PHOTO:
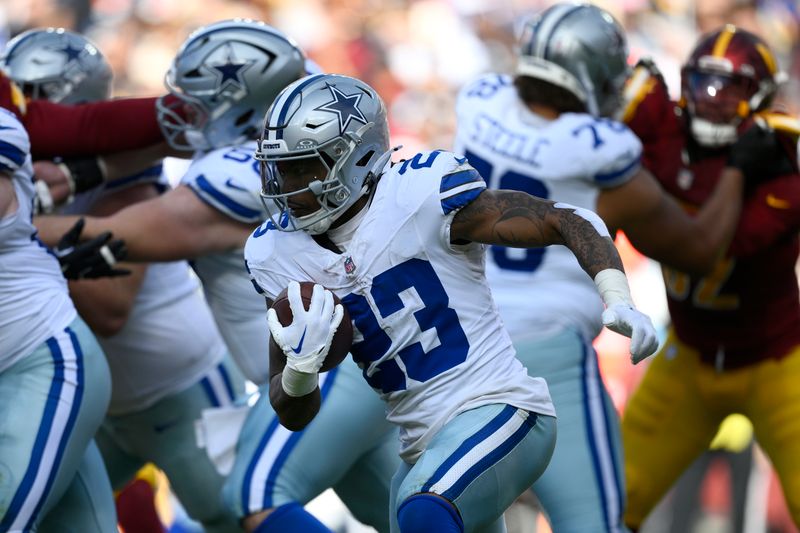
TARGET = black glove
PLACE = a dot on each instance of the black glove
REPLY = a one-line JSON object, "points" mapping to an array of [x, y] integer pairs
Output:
{"points": [[94, 258], [759, 155]]}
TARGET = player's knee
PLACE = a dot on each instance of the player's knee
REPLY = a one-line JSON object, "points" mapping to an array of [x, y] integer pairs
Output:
{"points": [[426, 513]]}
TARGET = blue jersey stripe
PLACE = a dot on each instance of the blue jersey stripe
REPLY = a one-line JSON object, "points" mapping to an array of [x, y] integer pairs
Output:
{"points": [[490, 459], [457, 201], [598, 471], [251, 467], [12, 152], [606, 178], [280, 460], [209, 390], [466, 446], [230, 204], [451, 181], [73, 416], [226, 379], [42, 434]]}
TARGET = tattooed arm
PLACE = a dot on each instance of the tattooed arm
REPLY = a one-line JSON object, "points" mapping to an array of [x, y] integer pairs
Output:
{"points": [[517, 219], [512, 218]]}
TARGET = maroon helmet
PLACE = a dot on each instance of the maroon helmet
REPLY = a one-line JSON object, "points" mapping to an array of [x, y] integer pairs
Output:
{"points": [[730, 75]]}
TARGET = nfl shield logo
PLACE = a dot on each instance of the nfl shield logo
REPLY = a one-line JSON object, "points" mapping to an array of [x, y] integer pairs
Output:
{"points": [[349, 266]]}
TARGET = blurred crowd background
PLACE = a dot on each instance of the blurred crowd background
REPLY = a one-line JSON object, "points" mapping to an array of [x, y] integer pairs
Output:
{"points": [[417, 54]]}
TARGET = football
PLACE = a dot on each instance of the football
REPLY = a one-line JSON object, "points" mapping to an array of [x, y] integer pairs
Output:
{"points": [[342, 339]]}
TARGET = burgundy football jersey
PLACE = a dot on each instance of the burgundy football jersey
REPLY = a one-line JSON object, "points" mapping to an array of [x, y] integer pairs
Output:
{"points": [[748, 308]]}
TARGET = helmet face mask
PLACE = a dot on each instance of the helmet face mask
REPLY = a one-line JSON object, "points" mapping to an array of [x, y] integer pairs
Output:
{"points": [[580, 48], [57, 65], [222, 80], [324, 136], [730, 74], [295, 183]]}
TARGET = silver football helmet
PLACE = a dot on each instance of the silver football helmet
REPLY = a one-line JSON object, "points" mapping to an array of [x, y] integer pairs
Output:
{"points": [[335, 123], [57, 65], [580, 48], [222, 80]]}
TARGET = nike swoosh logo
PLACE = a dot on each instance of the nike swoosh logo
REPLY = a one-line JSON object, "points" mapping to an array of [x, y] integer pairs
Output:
{"points": [[230, 183], [777, 203], [300, 344]]}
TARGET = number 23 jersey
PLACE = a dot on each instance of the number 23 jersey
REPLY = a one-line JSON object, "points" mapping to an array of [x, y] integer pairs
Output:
{"points": [[427, 334], [541, 291]]}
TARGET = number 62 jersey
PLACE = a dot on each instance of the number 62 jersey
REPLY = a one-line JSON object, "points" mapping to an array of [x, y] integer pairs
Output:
{"points": [[427, 334]]}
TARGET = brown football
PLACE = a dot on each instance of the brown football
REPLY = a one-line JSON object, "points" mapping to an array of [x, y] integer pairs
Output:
{"points": [[342, 339]]}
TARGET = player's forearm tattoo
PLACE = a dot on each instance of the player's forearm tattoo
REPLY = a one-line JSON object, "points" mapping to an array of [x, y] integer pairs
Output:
{"points": [[593, 251]]}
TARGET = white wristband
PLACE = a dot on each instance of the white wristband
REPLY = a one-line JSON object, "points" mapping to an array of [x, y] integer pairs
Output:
{"points": [[613, 287], [297, 383]]}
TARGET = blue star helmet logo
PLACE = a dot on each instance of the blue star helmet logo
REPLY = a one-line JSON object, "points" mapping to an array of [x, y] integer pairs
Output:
{"points": [[71, 53], [345, 106], [230, 72]]}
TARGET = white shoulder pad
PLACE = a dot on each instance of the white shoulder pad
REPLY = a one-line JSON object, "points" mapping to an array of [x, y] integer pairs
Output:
{"points": [[15, 146], [228, 180], [436, 180], [605, 151]]}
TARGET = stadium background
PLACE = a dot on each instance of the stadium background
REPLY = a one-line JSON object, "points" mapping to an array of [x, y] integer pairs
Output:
{"points": [[417, 54]]}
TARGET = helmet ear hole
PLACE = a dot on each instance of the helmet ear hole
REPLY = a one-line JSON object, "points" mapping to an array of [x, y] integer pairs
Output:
{"points": [[364, 161]]}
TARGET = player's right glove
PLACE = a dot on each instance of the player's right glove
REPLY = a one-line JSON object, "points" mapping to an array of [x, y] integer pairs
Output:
{"points": [[306, 341], [758, 154], [91, 259]]}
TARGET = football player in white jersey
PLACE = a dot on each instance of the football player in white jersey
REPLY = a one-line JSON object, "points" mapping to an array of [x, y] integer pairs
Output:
{"points": [[226, 75], [403, 246], [163, 347], [544, 132], [54, 379]]}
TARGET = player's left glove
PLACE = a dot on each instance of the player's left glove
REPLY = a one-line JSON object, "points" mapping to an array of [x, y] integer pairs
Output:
{"points": [[627, 320], [91, 259]]}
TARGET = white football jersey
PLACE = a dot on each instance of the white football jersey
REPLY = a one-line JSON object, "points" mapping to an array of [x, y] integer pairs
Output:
{"points": [[228, 179], [170, 340], [426, 331], [34, 303], [542, 291]]}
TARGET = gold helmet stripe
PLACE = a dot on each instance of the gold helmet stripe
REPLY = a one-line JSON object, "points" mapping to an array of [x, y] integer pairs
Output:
{"points": [[768, 57], [724, 39]]}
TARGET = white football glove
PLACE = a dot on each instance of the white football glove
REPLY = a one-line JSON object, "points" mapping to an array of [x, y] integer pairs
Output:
{"points": [[307, 339], [628, 321]]}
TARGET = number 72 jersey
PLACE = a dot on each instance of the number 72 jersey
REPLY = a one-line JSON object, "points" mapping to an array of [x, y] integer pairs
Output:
{"points": [[570, 159], [428, 336]]}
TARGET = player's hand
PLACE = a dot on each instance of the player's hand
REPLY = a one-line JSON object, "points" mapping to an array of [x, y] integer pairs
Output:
{"points": [[54, 186], [758, 154], [91, 259], [307, 339], [628, 321]]}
